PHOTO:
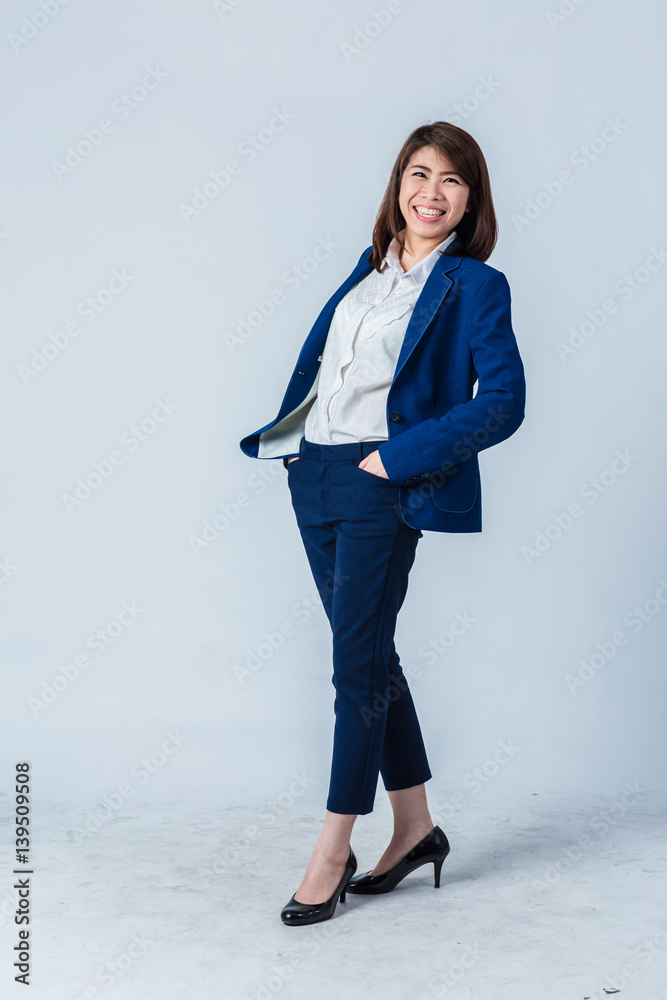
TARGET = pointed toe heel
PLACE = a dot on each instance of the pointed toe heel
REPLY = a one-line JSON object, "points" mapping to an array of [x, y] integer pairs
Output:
{"points": [[433, 848]]}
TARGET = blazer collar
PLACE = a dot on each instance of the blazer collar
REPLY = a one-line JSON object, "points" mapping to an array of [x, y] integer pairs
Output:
{"points": [[420, 271], [450, 260]]}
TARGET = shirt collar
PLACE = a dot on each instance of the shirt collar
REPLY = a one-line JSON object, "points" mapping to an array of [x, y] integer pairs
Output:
{"points": [[421, 270]]}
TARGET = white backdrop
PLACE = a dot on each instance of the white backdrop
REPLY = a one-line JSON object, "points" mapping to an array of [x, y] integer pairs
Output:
{"points": [[169, 171]]}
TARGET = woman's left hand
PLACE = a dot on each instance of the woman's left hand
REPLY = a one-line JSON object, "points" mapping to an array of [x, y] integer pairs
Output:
{"points": [[373, 463]]}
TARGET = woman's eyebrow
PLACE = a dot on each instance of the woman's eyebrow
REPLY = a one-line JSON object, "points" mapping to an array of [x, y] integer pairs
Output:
{"points": [[421, 166]]}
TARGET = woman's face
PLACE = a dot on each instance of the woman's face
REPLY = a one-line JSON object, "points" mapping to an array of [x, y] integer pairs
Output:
{"points": [[433, 197]]}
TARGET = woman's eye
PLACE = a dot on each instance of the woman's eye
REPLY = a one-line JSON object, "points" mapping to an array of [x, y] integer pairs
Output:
{"points": [[420, 173]]}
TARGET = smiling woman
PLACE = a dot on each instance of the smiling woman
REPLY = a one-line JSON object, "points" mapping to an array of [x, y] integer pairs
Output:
{"points": [[418, 181], [382, 397], [454, 170]]}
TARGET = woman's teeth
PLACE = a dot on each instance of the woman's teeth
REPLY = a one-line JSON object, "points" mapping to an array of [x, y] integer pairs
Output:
{"points": [[428, 213]]}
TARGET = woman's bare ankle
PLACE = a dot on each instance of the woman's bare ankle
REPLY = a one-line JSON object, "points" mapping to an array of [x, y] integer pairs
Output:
{"points": [[332, 852], [410, 836]]}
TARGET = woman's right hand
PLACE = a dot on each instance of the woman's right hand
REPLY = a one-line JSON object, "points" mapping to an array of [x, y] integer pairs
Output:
{"points": [[293, 459]]}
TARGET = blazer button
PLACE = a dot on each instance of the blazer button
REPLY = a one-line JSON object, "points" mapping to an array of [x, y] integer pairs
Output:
{"points": [[394, 416]]}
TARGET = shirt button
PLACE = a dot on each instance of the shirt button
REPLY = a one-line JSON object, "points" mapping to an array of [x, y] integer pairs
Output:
{"points": [[394, 416]]}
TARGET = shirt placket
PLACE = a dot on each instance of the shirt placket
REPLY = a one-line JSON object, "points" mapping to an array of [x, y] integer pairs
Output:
{"points": [[362, 322]]}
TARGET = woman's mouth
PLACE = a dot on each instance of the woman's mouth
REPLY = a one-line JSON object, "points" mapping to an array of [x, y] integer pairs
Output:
{"points": [[427, 214]]}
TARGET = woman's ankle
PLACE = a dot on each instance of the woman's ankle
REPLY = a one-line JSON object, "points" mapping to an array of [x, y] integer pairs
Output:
{"points": [[410, 835], [332, 853]]}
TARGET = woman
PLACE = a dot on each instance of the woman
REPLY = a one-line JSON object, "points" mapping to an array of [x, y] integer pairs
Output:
{"points": [[382, 398]]}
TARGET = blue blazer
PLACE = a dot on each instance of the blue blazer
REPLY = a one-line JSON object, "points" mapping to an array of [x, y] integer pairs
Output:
{"points": [[460, 332]]}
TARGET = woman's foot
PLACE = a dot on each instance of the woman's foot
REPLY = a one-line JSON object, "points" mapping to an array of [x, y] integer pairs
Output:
{"points": [[328, 860], [431, 849], [399, 846], [324, 872], [296, 914]]}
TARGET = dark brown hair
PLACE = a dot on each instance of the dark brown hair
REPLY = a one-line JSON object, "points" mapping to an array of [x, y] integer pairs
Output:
{"points": [[478, 229]]}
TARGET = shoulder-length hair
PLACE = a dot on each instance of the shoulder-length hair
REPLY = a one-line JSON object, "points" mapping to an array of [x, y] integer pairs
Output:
{"points": [[477, 231]]}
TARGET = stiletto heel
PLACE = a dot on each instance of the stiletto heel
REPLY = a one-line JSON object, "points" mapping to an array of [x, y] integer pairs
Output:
{"points": [[295, 913], [433, 848]]}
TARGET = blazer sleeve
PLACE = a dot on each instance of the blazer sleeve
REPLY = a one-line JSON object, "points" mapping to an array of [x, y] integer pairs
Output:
{"points": [[496, 411]]}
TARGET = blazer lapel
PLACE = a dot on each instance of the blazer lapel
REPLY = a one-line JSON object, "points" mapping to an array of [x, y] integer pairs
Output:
{"points": [[430, 301], [363, 268], [308, 362]]}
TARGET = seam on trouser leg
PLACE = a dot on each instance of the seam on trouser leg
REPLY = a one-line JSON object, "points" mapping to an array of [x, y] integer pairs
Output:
{"points": [[399, 730], [374, 663]]}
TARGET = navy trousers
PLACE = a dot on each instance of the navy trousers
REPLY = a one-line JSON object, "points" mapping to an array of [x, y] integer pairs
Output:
{"points": [[360, 551]]}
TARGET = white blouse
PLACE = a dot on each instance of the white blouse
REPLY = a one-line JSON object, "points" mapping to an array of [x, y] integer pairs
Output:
{"points": [[361, 351]]}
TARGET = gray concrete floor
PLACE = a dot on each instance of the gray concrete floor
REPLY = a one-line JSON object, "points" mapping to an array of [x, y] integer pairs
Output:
{"points": [[550, 898]]}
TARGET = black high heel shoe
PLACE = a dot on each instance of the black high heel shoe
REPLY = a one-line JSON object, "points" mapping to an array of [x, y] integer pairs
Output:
{"points": [[433, 848], [295, 913]]}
